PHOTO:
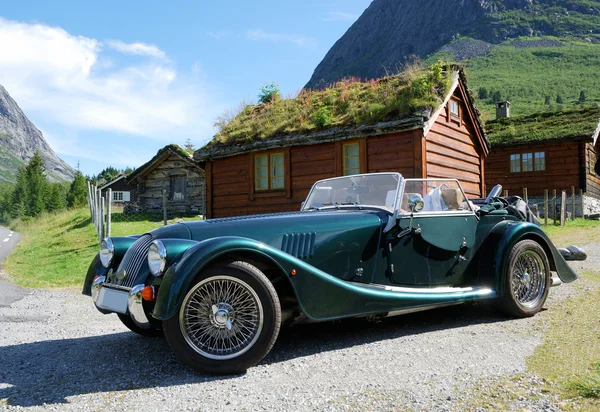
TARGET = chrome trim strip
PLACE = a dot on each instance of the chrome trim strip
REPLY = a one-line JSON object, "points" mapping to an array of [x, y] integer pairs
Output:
{"points": [[441, 289]]}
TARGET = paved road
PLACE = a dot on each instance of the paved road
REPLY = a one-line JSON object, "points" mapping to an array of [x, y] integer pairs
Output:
{"points": [[9, 293]]}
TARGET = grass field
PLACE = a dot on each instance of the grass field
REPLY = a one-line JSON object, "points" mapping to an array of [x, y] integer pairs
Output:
{"points": [[56, 249]]}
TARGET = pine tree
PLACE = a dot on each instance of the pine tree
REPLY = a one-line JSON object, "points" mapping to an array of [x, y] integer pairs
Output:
{"points": [[19, 197], [547, 100], [483, 93], [582, 97], [77, 195], [56, 200], [37, 186], [189, 146], [559, 99]]}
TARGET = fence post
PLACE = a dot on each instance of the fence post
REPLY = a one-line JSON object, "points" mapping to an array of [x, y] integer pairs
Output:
{"points": [[99, 214], [545, 207], [525, 198], [89, 198], [108, 211], [505, 193], [554, 209], [164, 199], [102, 209], [572, 202], [582, 205], [563, 208]]}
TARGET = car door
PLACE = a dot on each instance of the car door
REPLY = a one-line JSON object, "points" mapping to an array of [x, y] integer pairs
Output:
{"points": [[438, 249]]}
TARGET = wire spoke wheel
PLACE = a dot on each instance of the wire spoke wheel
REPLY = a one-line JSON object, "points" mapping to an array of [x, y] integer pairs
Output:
{"points": [[529, 278], [221, 317]]}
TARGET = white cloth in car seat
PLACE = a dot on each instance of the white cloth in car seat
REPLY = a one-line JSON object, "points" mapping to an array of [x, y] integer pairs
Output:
{"points": [[434, 202]]}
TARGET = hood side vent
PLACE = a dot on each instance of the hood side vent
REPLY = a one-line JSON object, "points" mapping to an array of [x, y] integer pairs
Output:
{"points": [[300, 245]]}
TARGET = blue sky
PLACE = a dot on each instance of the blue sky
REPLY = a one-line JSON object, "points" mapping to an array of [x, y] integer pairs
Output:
{"points": [[110, 83]]}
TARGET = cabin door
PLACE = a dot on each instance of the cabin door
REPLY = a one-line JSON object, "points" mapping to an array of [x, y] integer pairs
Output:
{"points": [[435, 253]]}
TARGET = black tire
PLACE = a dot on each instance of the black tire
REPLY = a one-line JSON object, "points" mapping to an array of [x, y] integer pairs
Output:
{"points": [[527, 280], [132, 326], [248, 298]]}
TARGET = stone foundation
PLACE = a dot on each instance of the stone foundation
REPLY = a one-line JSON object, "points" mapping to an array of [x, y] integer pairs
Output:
{"points": [[591, 205]]}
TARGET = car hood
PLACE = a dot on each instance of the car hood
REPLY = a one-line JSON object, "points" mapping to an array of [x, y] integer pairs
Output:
{"points": [[271, 229]]}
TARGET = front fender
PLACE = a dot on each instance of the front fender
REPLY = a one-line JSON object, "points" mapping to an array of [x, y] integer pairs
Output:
{"points": [[180, 275], [95, 269], [500, 241]]}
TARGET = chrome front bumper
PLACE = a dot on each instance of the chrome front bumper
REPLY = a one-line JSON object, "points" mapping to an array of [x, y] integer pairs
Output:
{"points": [[127, 301]]}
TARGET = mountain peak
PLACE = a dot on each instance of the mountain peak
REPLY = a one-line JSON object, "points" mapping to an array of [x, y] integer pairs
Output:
{"points": [[391, 32], [20, 139]]}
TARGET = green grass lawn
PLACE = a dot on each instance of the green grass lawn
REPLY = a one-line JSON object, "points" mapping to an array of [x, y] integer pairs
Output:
{"points": [[56, 249]]}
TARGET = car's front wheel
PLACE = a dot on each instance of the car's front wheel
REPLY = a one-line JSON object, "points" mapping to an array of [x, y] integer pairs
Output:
{"points": [[527, 279], [228, 321]]}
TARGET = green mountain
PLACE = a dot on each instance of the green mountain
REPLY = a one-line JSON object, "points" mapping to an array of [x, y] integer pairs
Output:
{"points": [[539, 54]]}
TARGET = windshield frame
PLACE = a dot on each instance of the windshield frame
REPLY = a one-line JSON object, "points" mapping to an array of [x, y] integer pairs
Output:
{"points": [[399, 189]]}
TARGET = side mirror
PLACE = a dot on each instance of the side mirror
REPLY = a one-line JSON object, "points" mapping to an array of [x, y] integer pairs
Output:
{"points": [[415, 204]]}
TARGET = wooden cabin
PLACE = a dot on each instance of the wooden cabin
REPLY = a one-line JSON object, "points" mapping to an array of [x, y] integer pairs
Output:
{"points": [[275, 173], [174, 171], [554, 151], [122, 192]]}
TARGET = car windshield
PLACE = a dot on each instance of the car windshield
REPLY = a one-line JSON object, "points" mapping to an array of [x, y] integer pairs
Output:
{"points": [[438, 195], [373, 190]]}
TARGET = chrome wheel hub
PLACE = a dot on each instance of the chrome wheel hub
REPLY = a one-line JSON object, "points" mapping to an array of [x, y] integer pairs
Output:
{"points": [[529, 278], [221, 317]]}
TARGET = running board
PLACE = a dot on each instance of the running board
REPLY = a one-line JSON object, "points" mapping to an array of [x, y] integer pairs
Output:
{"points": [[437, 290]]}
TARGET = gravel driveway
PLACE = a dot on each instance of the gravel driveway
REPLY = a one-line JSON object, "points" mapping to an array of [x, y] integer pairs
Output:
{"points": [[58, 352]]}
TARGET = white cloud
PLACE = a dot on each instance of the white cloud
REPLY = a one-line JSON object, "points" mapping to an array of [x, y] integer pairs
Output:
{"points": [[340, 16], [139, 49], [67, 82], [260, 34], [219, 34]]}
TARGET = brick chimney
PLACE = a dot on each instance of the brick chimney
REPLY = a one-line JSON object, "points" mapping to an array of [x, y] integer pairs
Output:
{"points": [[502, 110]]}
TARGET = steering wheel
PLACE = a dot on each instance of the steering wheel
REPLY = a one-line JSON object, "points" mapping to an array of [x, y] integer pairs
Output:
{"points": [[496, 190]]}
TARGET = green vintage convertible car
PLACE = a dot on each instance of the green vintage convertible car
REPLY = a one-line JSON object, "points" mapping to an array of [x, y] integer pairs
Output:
{"points": [[371, 245]]}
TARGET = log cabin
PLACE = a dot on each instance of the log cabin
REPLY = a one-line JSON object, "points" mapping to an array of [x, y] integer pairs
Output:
{"points": [[252, 167], [174, 171], [557, 150]]}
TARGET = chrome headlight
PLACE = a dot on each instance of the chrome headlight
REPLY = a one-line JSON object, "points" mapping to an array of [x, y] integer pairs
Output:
{"points": [[157, 258], [107, 251]]}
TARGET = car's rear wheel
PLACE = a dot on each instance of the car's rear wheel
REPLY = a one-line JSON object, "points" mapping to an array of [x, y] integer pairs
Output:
{"points": [[132, 326], [527, 280], [228, 321]]}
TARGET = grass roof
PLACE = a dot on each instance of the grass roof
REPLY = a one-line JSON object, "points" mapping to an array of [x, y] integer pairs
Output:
{"points": [[347, 103], [540, 127], [171, 148]]}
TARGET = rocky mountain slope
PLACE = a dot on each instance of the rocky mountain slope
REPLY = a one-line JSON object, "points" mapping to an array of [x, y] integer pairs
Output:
{"points": [[20, 139], [391, 32]]}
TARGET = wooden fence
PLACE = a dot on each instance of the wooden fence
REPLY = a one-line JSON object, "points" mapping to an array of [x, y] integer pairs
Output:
{"points": [[553, 201]]}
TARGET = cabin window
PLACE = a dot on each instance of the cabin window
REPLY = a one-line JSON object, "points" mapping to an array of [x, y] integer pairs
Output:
{"points": [[269, 171], [177, 188], [351, 159], [540, 161], [515, 163], [527, 162], [119, 196], [454, 109]]}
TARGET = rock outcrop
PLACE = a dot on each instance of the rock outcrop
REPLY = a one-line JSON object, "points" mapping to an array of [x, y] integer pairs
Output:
{"points": [[392, 32], [20, 139]]}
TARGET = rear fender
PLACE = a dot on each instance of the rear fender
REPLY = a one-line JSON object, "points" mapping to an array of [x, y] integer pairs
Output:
{"points": [[500, 241]]}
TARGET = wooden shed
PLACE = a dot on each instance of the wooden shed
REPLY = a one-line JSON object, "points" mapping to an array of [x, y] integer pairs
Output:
{"points": [[174, 171], [250, 170], [122, 192], [556, 150]]}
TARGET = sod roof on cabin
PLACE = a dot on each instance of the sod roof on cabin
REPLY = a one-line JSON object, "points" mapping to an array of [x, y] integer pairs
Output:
{"points": [[347, 105], [169, 149], [541, 127]]}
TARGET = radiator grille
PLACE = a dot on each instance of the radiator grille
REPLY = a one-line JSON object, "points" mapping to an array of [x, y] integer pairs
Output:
{"points": [[133, 261], [300, 245]]}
